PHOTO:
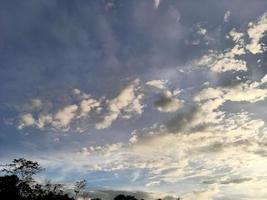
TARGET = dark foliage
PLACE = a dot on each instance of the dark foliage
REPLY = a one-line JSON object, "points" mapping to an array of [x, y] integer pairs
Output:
{"points": [[17, 183], [11, 187], [123, 197], [23, 168]]}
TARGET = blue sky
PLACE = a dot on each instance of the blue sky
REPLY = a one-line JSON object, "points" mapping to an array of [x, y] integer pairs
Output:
{"points": [[166, 97]]}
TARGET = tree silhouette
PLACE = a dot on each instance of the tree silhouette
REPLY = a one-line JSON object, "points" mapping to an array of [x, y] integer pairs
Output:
{"points": [[22, 168], [20, 185], [79, 186]]}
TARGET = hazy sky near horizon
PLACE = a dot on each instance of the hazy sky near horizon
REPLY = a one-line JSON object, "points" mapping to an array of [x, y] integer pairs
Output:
{"points": [[161, 96]]}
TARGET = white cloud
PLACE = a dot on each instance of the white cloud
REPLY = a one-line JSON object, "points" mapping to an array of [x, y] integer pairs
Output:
{"points": [[236, 36], [44, 120], [229, 59], [256, 32], [125, 105], [204, 194], [153, 183], [222, 62], [248, 91], [133, 139], [201, 30], [156, 4], [86, 105], [160, 84], [76, 91], [226, 16], [230, 142], [228, 145], [127, 100], [171, 157], [79, 94], [36, 103], [26, 120], [63, 117], [211, 99], [105, 151]]}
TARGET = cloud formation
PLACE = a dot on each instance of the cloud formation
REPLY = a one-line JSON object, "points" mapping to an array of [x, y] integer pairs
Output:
{"points": [[168, 102], [256, 32], [230, 59], [64, 116], [192, 121], [26, 120], [127, 100]]}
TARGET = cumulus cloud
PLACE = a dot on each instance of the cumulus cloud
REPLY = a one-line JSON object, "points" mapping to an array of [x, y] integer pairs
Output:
{"points": [[126, 104], [226, 60], [64, 116], [36, 103], [171, 158], [79, 94], [106, 150], [160, 84], [26, 120], [133, 139], [229, 144], [237, 37], [201, 30], [127, 100], [229, 59], [76, 91], [231, 141], [230, 134], [209, 100], [44, 120], [248, 91], [87, 105], [222, 62], [256, 32], [33, 104]]}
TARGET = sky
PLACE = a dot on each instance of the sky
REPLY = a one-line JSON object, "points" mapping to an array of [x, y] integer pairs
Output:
{"points": [[163, 97]]}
